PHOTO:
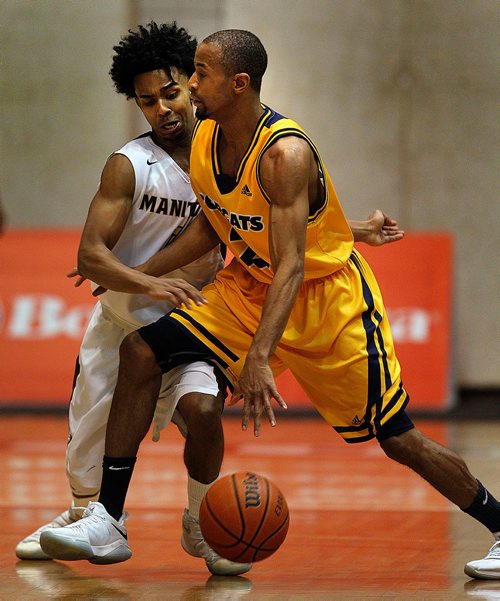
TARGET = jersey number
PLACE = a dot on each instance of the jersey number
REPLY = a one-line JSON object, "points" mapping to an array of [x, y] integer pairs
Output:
{"points": [[246, 254]]}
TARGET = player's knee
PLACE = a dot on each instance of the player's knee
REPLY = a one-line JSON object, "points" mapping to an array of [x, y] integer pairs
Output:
{"points": [[201, 412], [137, 356], [404, 448], [393, 449]]}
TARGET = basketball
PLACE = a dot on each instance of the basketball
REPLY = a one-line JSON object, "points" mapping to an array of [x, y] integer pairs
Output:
{"points": [[244, 517]]}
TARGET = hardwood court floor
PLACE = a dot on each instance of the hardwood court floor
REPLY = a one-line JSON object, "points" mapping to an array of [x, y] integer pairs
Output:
{"points": [[362, 527]]}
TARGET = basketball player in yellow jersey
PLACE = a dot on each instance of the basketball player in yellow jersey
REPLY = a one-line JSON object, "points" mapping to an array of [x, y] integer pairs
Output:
{"points": [[314, 301], [296, 295]]}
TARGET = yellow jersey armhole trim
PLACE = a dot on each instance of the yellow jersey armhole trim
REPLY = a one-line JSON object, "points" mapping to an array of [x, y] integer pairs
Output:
{"points": [[291, 131]]}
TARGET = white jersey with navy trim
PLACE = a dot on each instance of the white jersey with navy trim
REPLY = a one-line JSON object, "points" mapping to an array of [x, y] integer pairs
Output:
{"points": [[163, 206]]}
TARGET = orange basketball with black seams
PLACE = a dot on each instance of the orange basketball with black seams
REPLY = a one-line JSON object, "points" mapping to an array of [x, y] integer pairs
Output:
{"points": [[244, 517]]}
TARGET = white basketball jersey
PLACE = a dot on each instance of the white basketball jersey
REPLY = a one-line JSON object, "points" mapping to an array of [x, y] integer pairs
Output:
{"points": [[164, 205]]}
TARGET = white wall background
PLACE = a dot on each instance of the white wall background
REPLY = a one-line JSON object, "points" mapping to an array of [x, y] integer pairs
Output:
{"points": [[401, 97]]}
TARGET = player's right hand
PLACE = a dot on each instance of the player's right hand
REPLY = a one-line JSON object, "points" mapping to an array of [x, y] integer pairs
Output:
{"points": [[176, 291], [256, 386], [384, 230]]}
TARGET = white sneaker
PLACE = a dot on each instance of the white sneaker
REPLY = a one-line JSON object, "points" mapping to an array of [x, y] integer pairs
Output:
{"points": [[29, 547], [97, 537], [487, 568], [194, 544]]}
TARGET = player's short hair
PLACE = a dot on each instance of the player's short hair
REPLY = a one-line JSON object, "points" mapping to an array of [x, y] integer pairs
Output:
{"points": [[242, 52], [151, 47]]}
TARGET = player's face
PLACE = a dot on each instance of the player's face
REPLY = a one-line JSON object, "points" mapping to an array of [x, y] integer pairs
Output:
{"points": [[166, 105], [210, 86]]}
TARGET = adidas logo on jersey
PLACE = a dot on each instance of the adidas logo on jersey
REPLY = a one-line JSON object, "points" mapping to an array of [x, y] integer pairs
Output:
{"points": [[246, 191], [356, 421]]}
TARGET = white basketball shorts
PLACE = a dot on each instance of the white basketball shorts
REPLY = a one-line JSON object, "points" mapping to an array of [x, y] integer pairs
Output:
{"points": [[93, 394]]}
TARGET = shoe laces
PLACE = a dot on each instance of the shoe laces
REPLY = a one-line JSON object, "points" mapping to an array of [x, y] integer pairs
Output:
{"points": [[86, 521], [88, 517], [194, 526], [494, 552], [88, 512]]}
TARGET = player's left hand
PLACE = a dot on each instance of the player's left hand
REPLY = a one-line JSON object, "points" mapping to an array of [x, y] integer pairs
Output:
{"points": [[75, 274], [383, 229], [256, 386]]}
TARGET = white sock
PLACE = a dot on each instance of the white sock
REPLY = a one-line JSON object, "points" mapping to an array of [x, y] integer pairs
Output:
{"points": [[196, 492]]}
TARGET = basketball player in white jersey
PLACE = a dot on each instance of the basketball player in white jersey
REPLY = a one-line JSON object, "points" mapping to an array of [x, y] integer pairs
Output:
{"points": [[143, 203]]}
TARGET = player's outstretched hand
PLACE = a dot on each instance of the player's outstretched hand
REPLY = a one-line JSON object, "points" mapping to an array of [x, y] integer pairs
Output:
{"points": [[383, 229], [176, 291], [256, 387], [75, 274]]}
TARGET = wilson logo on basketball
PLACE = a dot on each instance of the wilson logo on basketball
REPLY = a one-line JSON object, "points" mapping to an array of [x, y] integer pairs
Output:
{"points": [[252, 491]]}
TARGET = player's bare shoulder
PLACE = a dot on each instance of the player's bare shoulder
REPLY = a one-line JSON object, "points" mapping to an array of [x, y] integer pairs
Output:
{"points": [[285, 166], [118, 177], [288, 150]]}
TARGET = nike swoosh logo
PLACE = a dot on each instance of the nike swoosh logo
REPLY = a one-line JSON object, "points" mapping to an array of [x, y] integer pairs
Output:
{"points": [[151, 162], [485, 498], [124, 534], [112, 467]]}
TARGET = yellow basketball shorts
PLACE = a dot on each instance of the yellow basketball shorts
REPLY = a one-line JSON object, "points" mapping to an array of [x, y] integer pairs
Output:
{"points": [[337, 342]]}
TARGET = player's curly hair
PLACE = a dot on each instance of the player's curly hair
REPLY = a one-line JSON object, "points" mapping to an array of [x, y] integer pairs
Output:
{"points": [[152, 47]]}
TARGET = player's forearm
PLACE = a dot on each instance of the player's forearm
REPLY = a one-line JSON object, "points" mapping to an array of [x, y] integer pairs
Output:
{"points": [[177, 255], [276, 310], [198, 239], [360, 229], [102, 267]]}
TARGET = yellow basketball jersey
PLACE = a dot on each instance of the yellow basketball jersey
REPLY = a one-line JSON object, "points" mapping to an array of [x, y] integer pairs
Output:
{"points": [[238, 207]]}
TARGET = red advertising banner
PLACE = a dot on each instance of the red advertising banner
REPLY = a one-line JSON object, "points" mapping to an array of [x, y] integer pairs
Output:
{"points": [[43, 317]]}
